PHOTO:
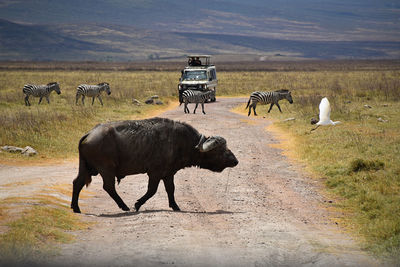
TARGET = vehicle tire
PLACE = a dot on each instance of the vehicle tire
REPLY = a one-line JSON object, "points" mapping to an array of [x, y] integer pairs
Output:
{"points": [[213, 99]]}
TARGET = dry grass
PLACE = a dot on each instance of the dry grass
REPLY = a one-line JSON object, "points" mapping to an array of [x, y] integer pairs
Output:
{"points": [[359, 159], [54, 130], [33, 234], [337, 154], [31, 226]]}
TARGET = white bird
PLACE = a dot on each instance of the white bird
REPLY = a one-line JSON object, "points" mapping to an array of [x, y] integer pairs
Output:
{"points": [[325, 114]]}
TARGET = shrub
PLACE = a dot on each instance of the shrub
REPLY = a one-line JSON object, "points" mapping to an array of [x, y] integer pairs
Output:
{"points": [[358, 165]]}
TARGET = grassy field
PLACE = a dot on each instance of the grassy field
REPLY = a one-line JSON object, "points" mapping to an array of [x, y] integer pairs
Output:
{"points": [[358, 160], [54, 130]]}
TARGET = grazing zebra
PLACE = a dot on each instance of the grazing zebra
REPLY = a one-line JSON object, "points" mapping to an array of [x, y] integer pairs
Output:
{"points": [[41, 91], [92, 91], [193, 96], [266, 98]]}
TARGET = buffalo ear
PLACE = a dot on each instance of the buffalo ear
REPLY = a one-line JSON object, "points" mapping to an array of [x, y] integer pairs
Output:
{"points": [[211, 143]]}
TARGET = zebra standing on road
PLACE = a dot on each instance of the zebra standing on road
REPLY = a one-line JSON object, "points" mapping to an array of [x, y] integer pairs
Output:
{"points": [[41, 91], [92, 91], [268, 97], [193, 96]]}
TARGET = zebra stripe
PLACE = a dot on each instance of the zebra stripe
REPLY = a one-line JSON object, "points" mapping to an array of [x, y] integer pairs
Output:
{"points": [[268, 98], [193, 96], [92, 91], [41, 91]]}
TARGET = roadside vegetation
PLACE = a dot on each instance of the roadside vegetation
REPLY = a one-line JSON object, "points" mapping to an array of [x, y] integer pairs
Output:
{"points": [[54, 130], [358, 160], [34, 228]]}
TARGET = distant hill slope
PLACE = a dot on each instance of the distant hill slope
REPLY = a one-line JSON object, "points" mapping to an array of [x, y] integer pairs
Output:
{"points": [[328, 20], [27, 42], [120, 30], [106, 42]]}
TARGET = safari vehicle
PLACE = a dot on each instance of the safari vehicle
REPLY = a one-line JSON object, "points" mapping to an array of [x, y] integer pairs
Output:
{"points": [[198, 75]]}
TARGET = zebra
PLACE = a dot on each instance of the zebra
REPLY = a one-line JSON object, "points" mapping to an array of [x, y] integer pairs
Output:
{"points": [[268, 97], [193, 96], [92, 91], [41, 91]]}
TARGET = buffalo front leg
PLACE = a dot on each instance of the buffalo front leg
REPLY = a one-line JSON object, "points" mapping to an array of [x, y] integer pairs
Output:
{"points": [[109, 187], [151, 190], [170, 188]]}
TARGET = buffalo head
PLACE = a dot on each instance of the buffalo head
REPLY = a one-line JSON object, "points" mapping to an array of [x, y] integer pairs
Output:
{"points": [[214, 155]]}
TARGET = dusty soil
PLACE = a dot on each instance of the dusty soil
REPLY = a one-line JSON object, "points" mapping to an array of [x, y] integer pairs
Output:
{"points": [[262, 212]]}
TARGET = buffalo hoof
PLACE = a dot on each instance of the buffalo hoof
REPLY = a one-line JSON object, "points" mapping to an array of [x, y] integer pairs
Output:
{"points": [[175, 207], [125, 208], [77, 210], [137, 206]]}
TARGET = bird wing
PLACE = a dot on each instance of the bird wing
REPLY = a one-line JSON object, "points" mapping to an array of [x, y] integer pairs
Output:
{"points": [[324, 110]]}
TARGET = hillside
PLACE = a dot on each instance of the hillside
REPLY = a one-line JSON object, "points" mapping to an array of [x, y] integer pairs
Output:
{"points": [[115, 30]]}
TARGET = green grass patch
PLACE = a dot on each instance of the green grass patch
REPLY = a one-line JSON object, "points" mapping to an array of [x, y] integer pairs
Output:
{"points": [[34, 231], [358, 165]]}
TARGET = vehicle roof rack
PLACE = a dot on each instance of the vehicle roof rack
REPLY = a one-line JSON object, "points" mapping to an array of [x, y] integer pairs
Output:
{"points": [[206, 57]]}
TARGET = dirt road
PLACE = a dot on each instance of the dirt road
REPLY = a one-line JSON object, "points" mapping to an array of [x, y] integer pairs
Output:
{"points": [[263, 212]]}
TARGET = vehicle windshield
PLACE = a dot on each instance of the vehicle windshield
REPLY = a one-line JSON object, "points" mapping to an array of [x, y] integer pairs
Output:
{"points": [[195, 75]]}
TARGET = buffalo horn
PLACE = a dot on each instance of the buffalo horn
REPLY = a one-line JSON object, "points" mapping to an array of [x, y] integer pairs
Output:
{"points": [[202, 139], [211, 143]]}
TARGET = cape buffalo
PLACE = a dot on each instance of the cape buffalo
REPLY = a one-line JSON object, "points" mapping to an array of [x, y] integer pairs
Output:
{"points": [[159, 147]]}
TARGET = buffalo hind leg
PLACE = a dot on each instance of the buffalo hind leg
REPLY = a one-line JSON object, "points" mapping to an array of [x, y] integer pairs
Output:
{"points": [[78, 184], [170, 188], [109, 187], [151, 190]]}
